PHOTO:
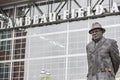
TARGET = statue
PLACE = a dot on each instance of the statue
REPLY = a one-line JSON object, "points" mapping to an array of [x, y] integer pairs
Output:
{"points": [[102, 54]]}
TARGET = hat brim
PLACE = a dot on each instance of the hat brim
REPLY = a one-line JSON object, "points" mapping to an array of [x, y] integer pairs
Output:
{"points": [[103, 30]]}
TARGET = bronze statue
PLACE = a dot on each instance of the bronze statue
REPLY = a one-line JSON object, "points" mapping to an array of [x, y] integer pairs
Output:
{"points": [[102, 54]]}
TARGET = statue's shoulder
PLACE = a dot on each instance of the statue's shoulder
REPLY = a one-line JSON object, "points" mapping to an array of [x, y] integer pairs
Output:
{"points": [[110, 40], [89, 44]]}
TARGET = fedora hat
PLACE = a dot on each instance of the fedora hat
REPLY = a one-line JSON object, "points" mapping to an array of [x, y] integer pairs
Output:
{"points": [[96, 25]]}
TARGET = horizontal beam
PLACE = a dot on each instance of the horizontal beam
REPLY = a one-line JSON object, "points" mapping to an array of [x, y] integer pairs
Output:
{"points": [[17, 2]]}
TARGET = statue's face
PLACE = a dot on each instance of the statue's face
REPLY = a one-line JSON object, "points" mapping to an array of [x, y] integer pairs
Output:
{"points": [[97, 34]]}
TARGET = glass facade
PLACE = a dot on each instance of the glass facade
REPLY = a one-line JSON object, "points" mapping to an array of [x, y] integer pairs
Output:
{"points": [[12, 48], [50, 52]]}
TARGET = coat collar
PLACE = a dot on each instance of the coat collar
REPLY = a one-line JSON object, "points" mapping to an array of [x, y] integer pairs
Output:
{"points": [[94, 47]]}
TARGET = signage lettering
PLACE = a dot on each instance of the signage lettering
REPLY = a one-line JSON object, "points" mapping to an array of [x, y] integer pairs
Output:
{"points": [[66, 14]]}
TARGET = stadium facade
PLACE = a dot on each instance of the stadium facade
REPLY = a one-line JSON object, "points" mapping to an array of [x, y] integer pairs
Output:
{"points": [[46, 39]]}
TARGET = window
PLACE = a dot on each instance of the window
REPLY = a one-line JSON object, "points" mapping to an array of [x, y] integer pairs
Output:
{"points": [[4, 71], [5, 50], [18, 71]]}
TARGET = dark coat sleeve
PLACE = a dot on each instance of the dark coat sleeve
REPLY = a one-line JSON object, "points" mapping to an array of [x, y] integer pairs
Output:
{"points": [[114, 54]]}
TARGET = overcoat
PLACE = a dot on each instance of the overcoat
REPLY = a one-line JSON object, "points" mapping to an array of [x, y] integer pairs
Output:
{"points": [[103, 59]]}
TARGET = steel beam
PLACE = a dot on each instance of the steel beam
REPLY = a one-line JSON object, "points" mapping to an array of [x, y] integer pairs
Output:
{"points": [[41, 2], [48, 8], [101, 2], [26, 12], [37, 7], [95, 4], [3, 12], [77, 3], [90, 2], [62, 7], [58, 6], [51, 7], [70, 5]]}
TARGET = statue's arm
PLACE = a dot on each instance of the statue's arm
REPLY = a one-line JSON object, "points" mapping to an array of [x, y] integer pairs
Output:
{"points": [[114, 54]]}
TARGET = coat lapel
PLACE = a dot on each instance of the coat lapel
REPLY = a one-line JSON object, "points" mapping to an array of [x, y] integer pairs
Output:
{"points": [[92, 47], [100, 43]]}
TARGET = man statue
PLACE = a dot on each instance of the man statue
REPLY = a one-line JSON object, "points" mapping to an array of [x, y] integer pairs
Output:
{"points": [[102, 54]]}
